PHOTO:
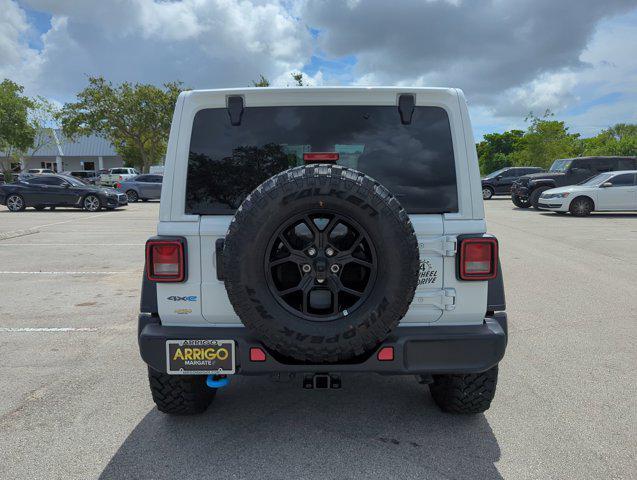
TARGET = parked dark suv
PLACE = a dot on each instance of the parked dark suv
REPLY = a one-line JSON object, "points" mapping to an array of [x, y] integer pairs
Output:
{"points": [[526, 191], [500, 181]]}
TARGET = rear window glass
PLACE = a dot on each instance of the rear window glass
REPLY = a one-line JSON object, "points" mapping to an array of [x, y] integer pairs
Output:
{"points": [[415, 162]]}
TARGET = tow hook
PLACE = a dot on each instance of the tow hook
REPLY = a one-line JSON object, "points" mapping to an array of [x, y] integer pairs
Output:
{"points": [[217, 381], [321, 381]]}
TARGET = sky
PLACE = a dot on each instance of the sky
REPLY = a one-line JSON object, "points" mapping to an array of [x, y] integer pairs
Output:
{"points": [[577, 58]]}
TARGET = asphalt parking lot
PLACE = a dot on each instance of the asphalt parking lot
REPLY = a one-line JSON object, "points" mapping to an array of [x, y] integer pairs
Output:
{"points": [[75, 401]]}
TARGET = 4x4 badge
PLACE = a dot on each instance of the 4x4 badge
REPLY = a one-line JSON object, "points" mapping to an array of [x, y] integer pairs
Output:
{"points": [[190, 298]]}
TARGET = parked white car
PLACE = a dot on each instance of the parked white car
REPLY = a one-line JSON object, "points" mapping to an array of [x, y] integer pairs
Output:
{"points": [[606, 192], [115, 175]]}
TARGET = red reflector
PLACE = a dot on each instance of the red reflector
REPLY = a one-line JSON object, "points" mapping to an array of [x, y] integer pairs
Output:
{"points": [[257, 355], [386, 354], [479, 258], [320, 157], [165, 261]]}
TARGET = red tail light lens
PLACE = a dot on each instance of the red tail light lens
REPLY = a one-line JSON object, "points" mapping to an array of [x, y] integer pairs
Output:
{"points": [[319, 157], [165, 261], [478, 258], [118, 185]]}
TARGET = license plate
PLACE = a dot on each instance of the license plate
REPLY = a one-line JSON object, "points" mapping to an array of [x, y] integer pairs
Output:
{"points": [[200, 357]]}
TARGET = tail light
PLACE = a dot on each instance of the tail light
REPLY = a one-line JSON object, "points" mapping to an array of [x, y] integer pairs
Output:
{"points": [[121, 178], [478, 259], [118, 185], [165, 260]]}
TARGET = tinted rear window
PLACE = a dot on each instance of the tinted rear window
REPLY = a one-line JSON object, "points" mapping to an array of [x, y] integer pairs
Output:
{"points": [[415, 162]]}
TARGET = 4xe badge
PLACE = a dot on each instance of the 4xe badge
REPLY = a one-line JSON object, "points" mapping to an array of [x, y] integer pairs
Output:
{"points": [[190, 298]]}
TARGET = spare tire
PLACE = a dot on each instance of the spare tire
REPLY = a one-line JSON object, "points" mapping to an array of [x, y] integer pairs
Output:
{"points": [[321, 263]]}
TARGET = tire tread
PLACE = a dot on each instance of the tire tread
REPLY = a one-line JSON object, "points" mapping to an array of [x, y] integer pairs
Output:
{"points": [[179, 395], [465, 393]]}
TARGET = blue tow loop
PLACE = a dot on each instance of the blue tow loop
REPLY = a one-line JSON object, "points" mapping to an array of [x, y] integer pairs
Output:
{"points": [[217, 381]]}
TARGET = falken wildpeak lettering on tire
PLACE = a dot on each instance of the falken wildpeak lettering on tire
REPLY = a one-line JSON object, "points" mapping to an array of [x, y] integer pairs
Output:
{"points": [[334, 197]]}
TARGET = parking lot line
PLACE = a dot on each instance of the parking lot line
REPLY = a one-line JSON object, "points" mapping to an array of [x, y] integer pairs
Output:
{"points": [[47, 329], [72, 244], [68, 273]]}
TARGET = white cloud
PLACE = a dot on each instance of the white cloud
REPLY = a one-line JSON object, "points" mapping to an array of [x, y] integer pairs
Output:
{"points": [[509, 56], [205, 43], [15, 53]]}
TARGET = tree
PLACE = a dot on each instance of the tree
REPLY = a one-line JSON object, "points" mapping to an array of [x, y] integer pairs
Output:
{"points": [[262, 82], [494, 150], [620, 139], [298, 78], [134, 117], [17, 134], [545, 141]]}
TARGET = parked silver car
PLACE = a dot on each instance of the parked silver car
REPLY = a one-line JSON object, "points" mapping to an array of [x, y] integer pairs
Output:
{"points": [[142, 187]]}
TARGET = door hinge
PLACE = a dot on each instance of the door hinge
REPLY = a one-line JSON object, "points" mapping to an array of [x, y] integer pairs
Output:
{"points": [[443, 246], [444, 299]]}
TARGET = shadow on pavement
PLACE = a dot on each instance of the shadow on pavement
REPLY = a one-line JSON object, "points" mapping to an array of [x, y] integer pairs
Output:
{"points": [[374, 427]]}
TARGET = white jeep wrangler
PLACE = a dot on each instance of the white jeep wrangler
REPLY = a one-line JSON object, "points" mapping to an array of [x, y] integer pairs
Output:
{"points": [[311, 232]]}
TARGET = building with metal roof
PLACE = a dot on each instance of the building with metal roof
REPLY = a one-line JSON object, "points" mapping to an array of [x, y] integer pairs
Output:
{"points": [[59, 153]]}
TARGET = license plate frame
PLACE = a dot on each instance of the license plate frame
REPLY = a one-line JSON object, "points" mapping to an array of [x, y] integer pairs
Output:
{"points": [[201, 359]]}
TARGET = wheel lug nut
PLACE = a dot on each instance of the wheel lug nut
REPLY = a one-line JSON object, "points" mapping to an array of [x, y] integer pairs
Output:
{"points": [[329, 251], [306, 268], [335, 268], [311, 252]]}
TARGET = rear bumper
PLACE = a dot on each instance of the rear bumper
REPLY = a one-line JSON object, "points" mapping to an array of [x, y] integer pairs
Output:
{"points": [[417, 350]]}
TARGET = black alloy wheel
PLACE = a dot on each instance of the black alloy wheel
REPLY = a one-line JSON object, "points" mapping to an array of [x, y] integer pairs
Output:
{"points": [[321, 265]]}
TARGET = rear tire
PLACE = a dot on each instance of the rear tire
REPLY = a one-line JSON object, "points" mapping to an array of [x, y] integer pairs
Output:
{"points": [[487, 193], [535, 196], [132, 196], [468, 393], [581, 207], [180, 394], [519, 202]]}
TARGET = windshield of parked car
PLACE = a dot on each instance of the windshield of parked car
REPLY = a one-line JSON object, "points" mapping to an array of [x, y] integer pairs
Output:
{"points": [[496, 173], [76, 182], [597, 180], [415, 161], [560, 165]]}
